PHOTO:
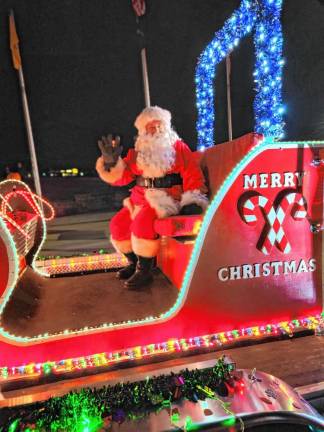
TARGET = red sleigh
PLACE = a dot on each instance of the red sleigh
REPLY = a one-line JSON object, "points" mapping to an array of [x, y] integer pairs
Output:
{"points": [[252, 266]]}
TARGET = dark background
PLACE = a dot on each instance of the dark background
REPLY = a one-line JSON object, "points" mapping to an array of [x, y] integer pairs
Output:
{"points": [[83, 73]]}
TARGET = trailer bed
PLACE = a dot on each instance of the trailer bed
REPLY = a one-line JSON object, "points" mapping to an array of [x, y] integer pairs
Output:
{"points": [[41, 305]]}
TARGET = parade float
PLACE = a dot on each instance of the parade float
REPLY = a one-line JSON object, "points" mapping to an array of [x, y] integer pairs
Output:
{"points": [[249, 268]]}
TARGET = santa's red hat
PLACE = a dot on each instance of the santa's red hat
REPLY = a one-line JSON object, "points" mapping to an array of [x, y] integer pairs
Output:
{"points": [[153, 113]]}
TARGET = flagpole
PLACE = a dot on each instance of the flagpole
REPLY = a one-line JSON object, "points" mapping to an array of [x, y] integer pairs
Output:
{"points": [[229, 102], [14, 46], [145, 78], [139, 7]]}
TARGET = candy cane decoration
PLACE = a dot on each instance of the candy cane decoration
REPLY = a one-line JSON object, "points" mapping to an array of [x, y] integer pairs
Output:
{"points": [[274, 218]]}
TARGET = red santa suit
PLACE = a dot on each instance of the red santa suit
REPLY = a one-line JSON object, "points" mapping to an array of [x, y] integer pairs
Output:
{"points": [[152, 165]]}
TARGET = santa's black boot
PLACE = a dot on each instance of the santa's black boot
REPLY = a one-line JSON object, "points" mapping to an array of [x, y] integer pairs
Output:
{"points": [[143, 274], [128, 271]]}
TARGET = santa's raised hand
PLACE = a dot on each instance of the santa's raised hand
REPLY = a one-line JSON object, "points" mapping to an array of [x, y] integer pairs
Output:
{"points": [[111, 150]]}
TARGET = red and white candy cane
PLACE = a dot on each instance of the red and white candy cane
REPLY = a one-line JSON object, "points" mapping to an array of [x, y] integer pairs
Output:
{"points": [[275, 218]]}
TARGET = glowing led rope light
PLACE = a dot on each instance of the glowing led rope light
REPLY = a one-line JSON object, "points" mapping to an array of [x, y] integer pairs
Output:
{"points": [[266, 144], [79, 264], [13, 183], [263, 18], [13, 264], [172, 345], [12, 222], [7, 204], [30, 198]]}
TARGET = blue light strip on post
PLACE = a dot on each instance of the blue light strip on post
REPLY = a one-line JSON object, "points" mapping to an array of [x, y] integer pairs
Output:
{"points": [[268, 109], [263, 17]]}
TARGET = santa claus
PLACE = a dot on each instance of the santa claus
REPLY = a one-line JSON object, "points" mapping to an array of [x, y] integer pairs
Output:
{"points": [[168, 180]]}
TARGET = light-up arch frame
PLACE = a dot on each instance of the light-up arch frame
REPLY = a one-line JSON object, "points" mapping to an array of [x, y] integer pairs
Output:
{"points": [[262, 17]]}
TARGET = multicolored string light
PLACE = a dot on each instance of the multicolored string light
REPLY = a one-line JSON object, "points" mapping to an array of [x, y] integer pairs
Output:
{"points": [[78, 264], [215, 341], [263, 18]]}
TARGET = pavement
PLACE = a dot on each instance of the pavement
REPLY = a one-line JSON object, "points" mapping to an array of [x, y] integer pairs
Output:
{"points": [[78, 234]]}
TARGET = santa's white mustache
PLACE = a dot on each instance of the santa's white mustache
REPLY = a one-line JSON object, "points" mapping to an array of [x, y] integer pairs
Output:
{"points": [[155, 153]]}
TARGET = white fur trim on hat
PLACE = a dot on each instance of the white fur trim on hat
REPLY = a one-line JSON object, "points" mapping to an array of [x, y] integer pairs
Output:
{"points": [[194, 197], [114, 174], [153, 113], [163, 204]]}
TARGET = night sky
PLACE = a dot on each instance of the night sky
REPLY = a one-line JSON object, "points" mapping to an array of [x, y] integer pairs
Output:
{"points": [[83, 74]]}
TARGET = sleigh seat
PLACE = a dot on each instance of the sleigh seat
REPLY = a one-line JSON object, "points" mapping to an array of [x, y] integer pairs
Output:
{"points": [[178, 233]]}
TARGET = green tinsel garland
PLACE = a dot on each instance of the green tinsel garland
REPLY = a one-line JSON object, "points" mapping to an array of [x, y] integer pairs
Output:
{"points": [[90, 409]]}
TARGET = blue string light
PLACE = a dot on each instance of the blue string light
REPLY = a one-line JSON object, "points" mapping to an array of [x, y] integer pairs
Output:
{"points": [[263, 18], [268, 108]]}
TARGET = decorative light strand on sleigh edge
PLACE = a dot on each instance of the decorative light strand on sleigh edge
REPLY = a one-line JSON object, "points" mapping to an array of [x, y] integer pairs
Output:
{"points": [[12, 255], [105, 359]]}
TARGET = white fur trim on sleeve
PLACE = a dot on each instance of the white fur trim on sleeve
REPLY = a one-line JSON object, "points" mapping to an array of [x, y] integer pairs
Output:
{"points": [[114, 174], [163, 203], [194, 197]]}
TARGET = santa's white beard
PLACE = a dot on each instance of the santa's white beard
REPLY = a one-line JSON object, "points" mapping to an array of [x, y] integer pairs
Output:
{"points": [[155, 153]]}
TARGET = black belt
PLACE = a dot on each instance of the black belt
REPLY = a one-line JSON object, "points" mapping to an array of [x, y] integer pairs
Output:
{"points": [[167, 181]]}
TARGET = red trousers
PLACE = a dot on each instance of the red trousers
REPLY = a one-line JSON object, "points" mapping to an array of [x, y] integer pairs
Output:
{"points": [[142, 226]]}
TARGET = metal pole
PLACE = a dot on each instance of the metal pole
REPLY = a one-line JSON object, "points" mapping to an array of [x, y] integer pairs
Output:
{"points": [[229, 103], [29, 130], [17, 64], [145, 78]]}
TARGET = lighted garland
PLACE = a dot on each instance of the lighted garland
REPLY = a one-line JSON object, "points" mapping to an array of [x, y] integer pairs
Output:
{"points": [[214, 341], [262, 17], [83, 263], [91, 409], [268, 108]]}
